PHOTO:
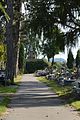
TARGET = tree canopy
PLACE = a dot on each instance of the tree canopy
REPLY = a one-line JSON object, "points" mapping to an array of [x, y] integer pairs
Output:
{"points": [[42, 17], [3, 10], [44, 14], [53, 45]]}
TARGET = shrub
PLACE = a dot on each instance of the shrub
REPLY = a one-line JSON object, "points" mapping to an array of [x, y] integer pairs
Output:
{"points": [[33, 65]]}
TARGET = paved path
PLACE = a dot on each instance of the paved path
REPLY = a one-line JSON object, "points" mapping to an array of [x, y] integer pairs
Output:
{"points": [[34, 101]]}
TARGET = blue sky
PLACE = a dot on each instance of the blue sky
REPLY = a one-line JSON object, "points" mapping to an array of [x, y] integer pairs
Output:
{"points": [[64, 54]]}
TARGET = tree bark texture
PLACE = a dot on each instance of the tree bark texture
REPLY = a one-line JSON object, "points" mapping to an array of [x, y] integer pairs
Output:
{"points": [[9, 40], [17, 36]]}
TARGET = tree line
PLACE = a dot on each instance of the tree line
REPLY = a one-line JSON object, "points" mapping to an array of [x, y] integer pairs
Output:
{"points": [[44, 18], [50, 17], [10, 17]]}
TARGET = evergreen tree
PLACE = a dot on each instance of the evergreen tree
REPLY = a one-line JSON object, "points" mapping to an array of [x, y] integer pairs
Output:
{"points": [[21, 57], [70, 60], [78, 59]]}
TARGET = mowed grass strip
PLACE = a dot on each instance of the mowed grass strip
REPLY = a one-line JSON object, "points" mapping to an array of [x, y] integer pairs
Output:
{"points": [[18, 79], [8, 90], [3, 105], [60, 90], [11, 89], [76, 104], [64, 92]]}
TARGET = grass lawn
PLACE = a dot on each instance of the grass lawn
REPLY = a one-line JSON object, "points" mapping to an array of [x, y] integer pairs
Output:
{"points": [[3, 105], [11, 89], [17, 79], [64, 92], [76, 104], [60, 90], [7, 90]]}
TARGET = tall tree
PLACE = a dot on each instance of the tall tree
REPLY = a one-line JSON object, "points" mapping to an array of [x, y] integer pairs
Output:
{"points": [[40, 21], [70, 60], [21, 57], [78, 59], [12, 37], [30, 38], [9, 40], [16, 33], [52, 46]]}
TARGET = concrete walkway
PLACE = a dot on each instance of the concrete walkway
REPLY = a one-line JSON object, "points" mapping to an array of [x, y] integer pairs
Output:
{"points": [[34, 101]]}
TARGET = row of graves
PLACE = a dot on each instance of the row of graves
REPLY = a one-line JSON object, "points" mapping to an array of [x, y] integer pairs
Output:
{"points": [[62, 76]]}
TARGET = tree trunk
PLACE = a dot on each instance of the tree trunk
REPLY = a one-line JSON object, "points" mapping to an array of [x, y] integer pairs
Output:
{"points": [[17, 37], [9, 40], [52, 61], [16, 50]]}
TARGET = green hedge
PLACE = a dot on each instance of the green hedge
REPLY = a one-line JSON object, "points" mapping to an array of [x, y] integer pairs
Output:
{"points": [[33, 65]]}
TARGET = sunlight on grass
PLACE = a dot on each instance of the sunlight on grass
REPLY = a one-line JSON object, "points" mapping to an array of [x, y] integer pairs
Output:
{"points": [[11, 89], [8, 89], [65, 91], [3, 105], [18, 79], [60, 90], [76, 104]]}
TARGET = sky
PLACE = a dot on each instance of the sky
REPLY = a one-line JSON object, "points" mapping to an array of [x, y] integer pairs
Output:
{"points": [[74, 49], [65, 53]]}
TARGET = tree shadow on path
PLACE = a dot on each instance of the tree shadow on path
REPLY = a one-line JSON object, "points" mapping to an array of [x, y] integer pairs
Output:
{"points": [[34, 94]]}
